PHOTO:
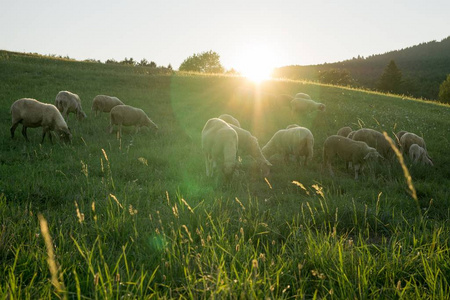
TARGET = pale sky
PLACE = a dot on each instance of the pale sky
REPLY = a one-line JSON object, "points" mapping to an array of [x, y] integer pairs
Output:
{"points": [[275, 33]]}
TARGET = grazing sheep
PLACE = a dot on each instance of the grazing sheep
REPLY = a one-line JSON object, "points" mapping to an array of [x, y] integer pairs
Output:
{"points": [[410, 138], [302, 105], [418, 154], [298, 141], [32, 113], [68, 102], [358, 153], [376, 140], [248, 144], [344, 131], [125, 115], [104, 103], [220, 146], [230, 119]]}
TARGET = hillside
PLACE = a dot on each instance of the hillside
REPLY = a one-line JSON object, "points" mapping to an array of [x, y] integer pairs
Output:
{"points": [[137, 218], [424, 68]]}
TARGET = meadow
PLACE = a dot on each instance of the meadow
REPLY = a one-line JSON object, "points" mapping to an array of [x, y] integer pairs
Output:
{"points": [[136, 217]]}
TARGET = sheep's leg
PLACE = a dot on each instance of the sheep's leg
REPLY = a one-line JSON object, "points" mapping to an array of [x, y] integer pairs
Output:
{"points": [[356, 171], [13, 128], [24, 132], [120, 130]]}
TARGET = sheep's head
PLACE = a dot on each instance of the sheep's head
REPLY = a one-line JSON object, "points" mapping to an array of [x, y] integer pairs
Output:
{"points": [[149, 123], [322, 107], [81, 115], [265, 168], [65, 136], [373, 154]]}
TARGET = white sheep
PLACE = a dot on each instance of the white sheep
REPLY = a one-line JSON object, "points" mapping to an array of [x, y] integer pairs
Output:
{"points": [[298, 141], [302, 105], [126, 115], [418, 154], [351, 151], [32, 113], [344, 131], [68, 102], [248, 145], [103, 103], [375, 139], [409, 138], [230, 119], [220, 146]]}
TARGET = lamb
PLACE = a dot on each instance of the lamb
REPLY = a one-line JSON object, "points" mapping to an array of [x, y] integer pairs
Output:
{"points": [[32, 113], [358, 153], [298, 141], [248, 144], [344, 131], [230, 119], [104, 103], [375, 140], [418, 154], [126, 115], [220, 146], [302, 105], [68, 102], [409, 138]]}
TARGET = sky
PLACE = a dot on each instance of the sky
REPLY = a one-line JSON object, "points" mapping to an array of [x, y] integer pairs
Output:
{"points": [[243, 32]]}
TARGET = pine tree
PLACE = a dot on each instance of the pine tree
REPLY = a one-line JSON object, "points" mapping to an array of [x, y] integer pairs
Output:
{"points": [[444, 90], [391, 79]]}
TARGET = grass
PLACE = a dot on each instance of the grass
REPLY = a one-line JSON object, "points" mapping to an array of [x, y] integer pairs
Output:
{"points": [[137, 217]]}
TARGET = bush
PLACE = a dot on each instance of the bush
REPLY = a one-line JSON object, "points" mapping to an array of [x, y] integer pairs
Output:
{"points": [[444, 90]]}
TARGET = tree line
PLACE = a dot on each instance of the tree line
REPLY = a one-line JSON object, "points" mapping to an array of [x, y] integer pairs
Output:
{"points": [[417, 71]]}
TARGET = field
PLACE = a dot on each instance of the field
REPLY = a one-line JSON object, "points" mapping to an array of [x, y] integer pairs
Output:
{"points": [[136, 217]]}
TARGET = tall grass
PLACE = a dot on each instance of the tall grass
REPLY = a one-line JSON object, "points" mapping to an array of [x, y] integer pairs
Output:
{"points": [[136, 217]]}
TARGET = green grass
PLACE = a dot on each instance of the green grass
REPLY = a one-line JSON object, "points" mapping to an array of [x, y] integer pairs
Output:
{"points": [[137, 217]]}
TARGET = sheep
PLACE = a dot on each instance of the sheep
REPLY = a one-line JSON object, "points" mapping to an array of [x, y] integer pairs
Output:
{"points": [[298, 141], [418, 154], [126, 115], [302, 105], [220, 146], [68, 102], [230, 119], [248, 144], [344, 131], [375, 140], [104, 103], [358, 153], [409, 138], [32, 113]]}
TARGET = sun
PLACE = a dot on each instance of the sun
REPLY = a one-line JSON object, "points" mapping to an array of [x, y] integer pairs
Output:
{"points": [[256, 63]]}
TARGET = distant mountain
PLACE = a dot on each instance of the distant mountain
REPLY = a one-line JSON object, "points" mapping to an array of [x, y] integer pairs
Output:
{"points": [[424, 67]]}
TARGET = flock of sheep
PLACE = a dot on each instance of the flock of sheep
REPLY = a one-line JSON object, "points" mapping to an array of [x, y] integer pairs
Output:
{"points": [[223, 140], [32, 113]]}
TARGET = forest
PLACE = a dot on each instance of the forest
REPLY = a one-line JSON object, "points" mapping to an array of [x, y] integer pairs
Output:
{"points": [[423, 68]]}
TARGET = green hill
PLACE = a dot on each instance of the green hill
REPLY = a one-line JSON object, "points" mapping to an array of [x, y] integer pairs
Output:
{"points": [[137, 217], [424, 67]]}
